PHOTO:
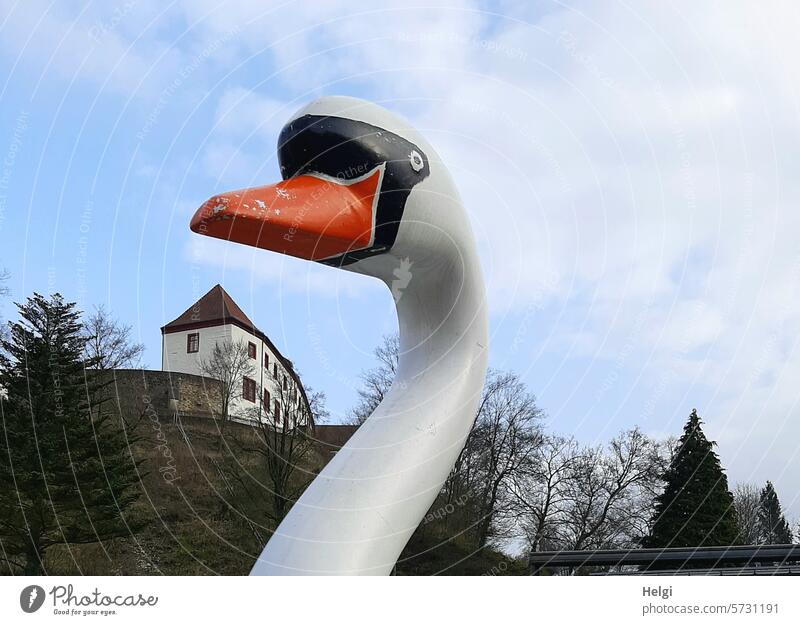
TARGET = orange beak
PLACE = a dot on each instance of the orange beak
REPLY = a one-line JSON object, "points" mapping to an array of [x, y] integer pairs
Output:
{"points": [[305, 216]]}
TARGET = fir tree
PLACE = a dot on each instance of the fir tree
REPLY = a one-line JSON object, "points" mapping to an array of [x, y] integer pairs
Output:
{"points": [[67, 475], [773, 528], [696, 507]]}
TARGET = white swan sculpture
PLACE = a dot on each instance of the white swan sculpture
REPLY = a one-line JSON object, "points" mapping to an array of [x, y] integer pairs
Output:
{"points": [[364, 192]]}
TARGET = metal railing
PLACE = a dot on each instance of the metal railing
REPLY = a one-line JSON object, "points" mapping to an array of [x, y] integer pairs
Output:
{"points": [[720, 560]]}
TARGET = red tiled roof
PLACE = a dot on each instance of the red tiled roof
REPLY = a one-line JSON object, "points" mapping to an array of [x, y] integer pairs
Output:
{"points": [[214, 306]]}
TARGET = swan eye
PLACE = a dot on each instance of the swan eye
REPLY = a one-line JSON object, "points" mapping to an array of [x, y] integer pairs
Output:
{"points": [[416, 160]]}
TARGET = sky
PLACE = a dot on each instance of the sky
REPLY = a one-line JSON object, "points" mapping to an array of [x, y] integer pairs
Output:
{"points": [[630, 171]]}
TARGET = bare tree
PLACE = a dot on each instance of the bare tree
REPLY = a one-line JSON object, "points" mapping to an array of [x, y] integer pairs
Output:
{"points": [[284, 439], [609, 494], [476, 500], [512, 478], [229, 362], [539, 489], [108, 342], [377, 381], [746, 502], [506, 432], [463, 480]]}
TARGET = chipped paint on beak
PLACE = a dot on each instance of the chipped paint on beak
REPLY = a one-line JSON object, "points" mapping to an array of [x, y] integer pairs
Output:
{"points": [[313, 217]]}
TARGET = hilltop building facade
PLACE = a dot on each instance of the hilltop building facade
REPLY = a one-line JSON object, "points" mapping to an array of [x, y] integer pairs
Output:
{"points": [[271, 390]]}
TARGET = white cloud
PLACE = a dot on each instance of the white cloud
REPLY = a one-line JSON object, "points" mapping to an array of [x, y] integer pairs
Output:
{"points": [[633, 166], [241, 112], [241, 150], [113, 45], [622, 162], [290, 275], [644, 161]]}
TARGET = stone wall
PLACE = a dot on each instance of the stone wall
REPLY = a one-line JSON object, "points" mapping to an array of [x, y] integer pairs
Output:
{"points": [[169, 394], [331, 438]]}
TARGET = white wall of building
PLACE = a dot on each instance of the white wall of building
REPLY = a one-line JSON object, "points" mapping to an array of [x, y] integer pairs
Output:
{"points": [[176, 358]]}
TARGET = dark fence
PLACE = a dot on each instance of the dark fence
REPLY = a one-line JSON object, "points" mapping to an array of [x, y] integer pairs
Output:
{"points": [[738, 560]]}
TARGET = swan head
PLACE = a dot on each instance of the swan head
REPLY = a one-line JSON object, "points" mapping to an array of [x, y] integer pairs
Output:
{"points": [[361, 190]]}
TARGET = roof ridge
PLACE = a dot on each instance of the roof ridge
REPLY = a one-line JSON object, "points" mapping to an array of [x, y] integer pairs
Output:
{"points": [[215, 305]]}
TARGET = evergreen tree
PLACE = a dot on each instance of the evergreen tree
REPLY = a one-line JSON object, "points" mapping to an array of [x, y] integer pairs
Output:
{"points": [[696, 507], [773, 528], [67, 476]]}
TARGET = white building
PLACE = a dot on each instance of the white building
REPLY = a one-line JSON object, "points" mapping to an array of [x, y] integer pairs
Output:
{"points": [[273, 389]]}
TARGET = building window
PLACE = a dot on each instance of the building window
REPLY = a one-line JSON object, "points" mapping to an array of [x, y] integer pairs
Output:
{"points": [[249, 389], [192, 342], [266, 401], [275, 370], [251, 350], [285, 384], [266, 359], [277, 412]]}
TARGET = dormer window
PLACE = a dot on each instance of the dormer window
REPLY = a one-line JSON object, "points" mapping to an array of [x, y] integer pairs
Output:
{"points": [[251, 350], [192, 343]]}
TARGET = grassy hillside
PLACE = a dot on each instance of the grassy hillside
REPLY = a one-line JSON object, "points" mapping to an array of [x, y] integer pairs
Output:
{"points": [[194, 516], [188, 517]]}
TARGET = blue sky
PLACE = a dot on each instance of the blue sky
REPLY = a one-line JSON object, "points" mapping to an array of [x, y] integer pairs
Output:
{"points": [[630, 174]]}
